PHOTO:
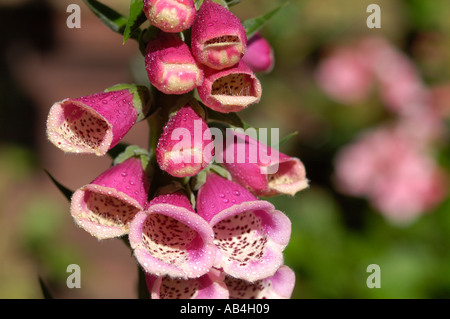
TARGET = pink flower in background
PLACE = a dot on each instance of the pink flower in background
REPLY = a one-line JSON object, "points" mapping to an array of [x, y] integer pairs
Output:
{"points": [[393, 171], [106, 206], [208, 286], [401, 87], [259, 56], [345, 75]]}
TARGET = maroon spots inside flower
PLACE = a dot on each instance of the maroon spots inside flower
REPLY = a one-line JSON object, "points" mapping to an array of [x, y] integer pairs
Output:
{"points": [[107, 210], [167, 238], [178, 288], [82, 128], [223, 40], [235, 84], [241, 289], [240, 238]]}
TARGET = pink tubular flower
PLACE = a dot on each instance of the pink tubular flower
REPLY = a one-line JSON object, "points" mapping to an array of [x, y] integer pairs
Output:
{"points": [[259, 56], [208, 286], [230, 90], [393, 171], [261, 169], [170, 66], [106, 206], [94, 124], [170, 15], [279, 286], [218, 37], [181, 149], [250, 234], [169, 238]]}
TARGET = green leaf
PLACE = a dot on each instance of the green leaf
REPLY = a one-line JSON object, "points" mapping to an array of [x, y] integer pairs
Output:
{"points": [[253, 25], [231, 3], [219, 170], [116, 150], [223, 3], [136, 18], [44, 289], [111, 18], [133, 151], [287, 138], [64, 190], [228, 118]]}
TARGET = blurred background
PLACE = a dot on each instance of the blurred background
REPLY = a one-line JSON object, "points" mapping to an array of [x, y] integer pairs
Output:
{"points": [[371, 108]]}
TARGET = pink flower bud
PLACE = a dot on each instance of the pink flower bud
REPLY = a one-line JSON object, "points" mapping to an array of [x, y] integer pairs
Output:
{"points": [[249, 234], [95, 123], [169, 238], [218, 37], [170, 15], [182, 147], [208, 286], [230, 90], [170, 66], [261, 169], [279, 286], [259, 56], [106, 206]]}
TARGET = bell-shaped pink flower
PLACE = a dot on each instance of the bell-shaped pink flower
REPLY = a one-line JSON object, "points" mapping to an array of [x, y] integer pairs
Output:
{"points": [[261, 169], [259, 56], [169, 238], [96, 123], [182, 147], [170, 15], [218, 37], [170, 66], [279, 286], [250, 234], [208, 286], [230, 90], [106, 206]]}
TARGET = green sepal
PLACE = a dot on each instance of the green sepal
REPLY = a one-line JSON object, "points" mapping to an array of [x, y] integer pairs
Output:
{"points": [[136, 18], [141, 97], [45, 291], [64, 190], [133, 151], [253, 25], [111, 18], [223, 3]]}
